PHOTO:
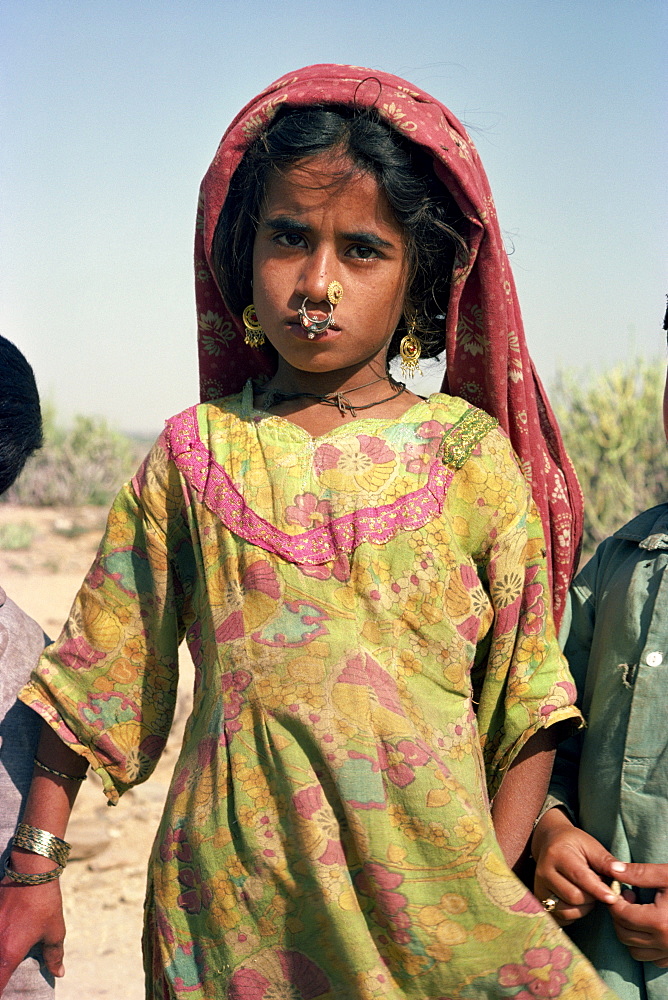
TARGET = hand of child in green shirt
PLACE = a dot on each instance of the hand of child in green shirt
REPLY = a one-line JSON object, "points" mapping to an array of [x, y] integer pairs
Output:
{"points": [[643, 927]]}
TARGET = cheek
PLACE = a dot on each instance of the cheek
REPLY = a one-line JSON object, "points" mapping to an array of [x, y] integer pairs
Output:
{"points": [[395, 297]]}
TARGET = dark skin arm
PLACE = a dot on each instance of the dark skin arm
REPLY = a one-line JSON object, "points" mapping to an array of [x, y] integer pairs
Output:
{"points": [[522, 793], [29, 914]]}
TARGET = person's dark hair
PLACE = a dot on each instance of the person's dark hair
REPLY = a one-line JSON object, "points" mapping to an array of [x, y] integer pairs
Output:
{"points": [[20, 414], [423, 207]]}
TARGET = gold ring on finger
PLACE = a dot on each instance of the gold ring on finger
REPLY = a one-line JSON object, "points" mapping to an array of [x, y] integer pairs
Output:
{"points": [[550, 903]]}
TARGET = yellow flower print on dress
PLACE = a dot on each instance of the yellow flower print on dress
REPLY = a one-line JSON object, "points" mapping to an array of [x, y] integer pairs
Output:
{"points": [[469, 829], [362, 464], [122, 671], [224, 911], [118, 523], [447, 933], [258, 490], [502, 887], [101, 627]]}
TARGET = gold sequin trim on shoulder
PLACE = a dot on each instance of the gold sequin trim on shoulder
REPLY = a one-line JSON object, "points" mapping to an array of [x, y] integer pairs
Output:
{"points": [[459, 442]]}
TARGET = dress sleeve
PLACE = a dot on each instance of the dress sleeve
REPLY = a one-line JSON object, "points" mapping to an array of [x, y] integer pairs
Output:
{"points": [[107, 686], [521, 680]]}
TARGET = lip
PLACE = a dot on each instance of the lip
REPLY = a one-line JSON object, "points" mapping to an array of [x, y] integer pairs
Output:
{"points": [[294, 327]]}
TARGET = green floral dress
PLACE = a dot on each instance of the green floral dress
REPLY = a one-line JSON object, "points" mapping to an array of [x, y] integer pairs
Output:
{"points": [[367, 615]]}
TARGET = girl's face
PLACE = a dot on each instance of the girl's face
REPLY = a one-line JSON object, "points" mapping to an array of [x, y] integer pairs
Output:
{"points": [[317, 226]]}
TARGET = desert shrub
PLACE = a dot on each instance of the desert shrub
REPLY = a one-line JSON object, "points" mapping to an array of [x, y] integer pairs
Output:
{"points": [[613, 431], [83, 464], [16, 536]]}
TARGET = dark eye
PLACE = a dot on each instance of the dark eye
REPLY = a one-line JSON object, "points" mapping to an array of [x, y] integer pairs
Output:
{"points": [[289, 239], [362, 252]]}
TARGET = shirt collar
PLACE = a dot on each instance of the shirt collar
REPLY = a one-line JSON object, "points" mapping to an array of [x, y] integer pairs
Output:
{"points": [[649, 530]]}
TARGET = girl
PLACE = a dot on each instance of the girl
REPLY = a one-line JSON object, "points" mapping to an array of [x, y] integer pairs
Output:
{"points": [[359, 573]]}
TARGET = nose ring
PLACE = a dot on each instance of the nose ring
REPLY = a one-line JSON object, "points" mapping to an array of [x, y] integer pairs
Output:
{"points": [[334, 296], [314, 325]]}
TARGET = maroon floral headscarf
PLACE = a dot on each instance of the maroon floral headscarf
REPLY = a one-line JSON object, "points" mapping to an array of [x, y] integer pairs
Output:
{"points": [[487, 358]]}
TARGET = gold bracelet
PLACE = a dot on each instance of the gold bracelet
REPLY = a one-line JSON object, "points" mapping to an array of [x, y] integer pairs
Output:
{"points": [[39, 878], [59, 774], [31, 838]]}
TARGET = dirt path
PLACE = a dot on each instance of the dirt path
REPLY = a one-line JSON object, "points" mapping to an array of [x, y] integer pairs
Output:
{"points": [[103, 886]]}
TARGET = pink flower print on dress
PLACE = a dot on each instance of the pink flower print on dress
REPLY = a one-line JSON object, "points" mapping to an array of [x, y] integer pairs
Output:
{"points": [[399, 763], [197, 896], [307, 801], [366, 672], [261, 576], [308, 511], [419, 457], [339, 569], [379, 884], [78, 654], [175, 845], [541, 973], [534, 604], [278, 974], [233, 684], [362, 464]]}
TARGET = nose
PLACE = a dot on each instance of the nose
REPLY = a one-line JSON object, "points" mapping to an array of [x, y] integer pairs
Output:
{"points": [[317, 272]]}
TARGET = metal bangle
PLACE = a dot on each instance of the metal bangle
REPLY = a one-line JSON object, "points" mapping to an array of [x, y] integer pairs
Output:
{"points": [[59, 774], [39, 878], [37, 841]]}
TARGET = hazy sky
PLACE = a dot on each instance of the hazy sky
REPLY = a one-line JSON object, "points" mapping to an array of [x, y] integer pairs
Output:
{"points": [[112, 111]]}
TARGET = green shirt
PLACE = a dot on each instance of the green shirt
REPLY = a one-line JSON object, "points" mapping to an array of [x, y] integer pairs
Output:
{"points": [[613, 776]]}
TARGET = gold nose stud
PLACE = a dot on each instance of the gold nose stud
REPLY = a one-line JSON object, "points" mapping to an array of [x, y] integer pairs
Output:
{"points": [[334, 292]]}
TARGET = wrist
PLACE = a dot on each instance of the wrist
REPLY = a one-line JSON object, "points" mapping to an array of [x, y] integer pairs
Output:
{"points": [[27, 863], [551, 821]]}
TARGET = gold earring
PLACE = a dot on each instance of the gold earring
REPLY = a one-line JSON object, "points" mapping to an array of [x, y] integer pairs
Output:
{"points": [[334, 292], [254, 335], [410, 350]]}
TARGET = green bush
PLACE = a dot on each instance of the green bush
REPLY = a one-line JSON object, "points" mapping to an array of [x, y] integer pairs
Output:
{"points": [[16, 536], [613, 431], [83, 464]]}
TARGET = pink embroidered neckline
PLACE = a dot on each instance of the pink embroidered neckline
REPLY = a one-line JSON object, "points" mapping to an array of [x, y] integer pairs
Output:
{"points": [[317, 545]]}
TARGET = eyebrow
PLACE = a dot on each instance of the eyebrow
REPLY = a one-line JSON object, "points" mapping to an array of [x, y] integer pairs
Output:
{"points": [[290, 225]]}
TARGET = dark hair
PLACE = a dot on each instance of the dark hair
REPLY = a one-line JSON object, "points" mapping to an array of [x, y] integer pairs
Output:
{"points": [[20, 415], [422, 205]]}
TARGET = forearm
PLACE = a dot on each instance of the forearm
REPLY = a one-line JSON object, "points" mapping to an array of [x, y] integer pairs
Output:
{"points": [[31, 911], [51, 797], [522, 793]]}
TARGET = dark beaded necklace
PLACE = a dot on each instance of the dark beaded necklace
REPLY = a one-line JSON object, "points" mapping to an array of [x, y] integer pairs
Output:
{"points": [[338, 399]]}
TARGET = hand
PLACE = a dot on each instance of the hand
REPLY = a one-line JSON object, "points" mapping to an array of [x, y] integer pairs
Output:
{"points": [[643, 927], [568, 865], [29, 914]]}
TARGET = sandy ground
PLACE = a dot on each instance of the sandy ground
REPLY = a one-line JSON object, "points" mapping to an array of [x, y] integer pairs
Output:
{"points": [[103, 886]]}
